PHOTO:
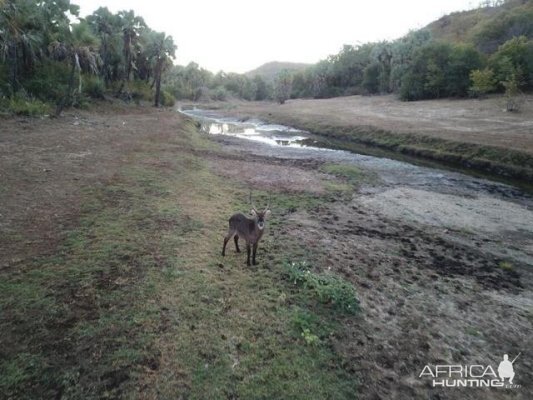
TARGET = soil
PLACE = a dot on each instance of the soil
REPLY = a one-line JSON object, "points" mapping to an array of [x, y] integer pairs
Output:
{"points": [[441, 278]]}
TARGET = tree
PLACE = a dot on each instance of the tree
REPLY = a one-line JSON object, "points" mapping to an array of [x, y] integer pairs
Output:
{"points": [[262, 91], [161, 50], [22, 35], [283, 86], [514, 58], [131, 27], [463, 59], [105, 25], [439, 69], [79, 48], [483, 82], [371, 76], [513, 98], [403, 52]]}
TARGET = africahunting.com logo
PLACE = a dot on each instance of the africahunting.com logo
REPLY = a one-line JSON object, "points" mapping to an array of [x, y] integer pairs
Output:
{"points": [[474, 375]]}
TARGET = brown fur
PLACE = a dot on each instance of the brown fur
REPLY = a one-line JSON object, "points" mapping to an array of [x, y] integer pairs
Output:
{"points": [[249, 229]]}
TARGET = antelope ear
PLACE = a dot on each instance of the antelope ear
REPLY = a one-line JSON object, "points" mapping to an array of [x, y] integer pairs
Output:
{"points": [[267, 212], [253, 212]]}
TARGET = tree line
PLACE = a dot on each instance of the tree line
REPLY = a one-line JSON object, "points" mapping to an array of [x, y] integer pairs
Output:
{"points": [[497, 57], [49, 55]]}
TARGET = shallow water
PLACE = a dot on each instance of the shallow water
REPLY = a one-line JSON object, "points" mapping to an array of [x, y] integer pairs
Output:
{"points": [[287, 142]]}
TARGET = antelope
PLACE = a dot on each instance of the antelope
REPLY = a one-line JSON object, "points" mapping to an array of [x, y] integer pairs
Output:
{"points": [[250, 229]]}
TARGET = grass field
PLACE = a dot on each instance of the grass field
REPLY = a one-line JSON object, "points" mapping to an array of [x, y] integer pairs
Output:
{"points": [[129, 296]]}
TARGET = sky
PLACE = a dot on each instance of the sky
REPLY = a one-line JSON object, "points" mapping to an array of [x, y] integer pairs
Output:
{"points": [[240, 35]]}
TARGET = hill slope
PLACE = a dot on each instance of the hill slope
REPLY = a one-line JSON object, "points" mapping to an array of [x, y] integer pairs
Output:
{"points": [[486, 27], [269, 70]]}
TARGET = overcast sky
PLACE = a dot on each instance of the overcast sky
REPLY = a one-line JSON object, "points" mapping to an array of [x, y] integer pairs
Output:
{"points": [[240, 35]]}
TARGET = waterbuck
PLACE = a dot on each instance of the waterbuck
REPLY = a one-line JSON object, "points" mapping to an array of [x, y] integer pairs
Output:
{"points": [[250, 229]]}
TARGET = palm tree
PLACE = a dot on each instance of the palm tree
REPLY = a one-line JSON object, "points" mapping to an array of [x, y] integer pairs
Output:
{"points": [[131, 27], [20, 38], [80, 49], [105, 25], [160, 50]]}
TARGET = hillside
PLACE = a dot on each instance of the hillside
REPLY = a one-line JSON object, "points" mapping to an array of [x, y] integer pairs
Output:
{"points": [[486, 27], [269, 70]]}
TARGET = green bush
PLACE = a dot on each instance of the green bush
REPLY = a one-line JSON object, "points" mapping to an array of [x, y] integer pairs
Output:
{"points": [[140, 90], [49, 81], [93, 87], [220, 93], [20, 105], [411, 87], [483, 82], [514, 58], [167, 99], [371, 77], [326, 287]]}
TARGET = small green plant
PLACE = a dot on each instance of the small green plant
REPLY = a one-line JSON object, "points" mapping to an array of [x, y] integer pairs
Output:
{"points": [[326, 287], [506, 265], [310, 339]]}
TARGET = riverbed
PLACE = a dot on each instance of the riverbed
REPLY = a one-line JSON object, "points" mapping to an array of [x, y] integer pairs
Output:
{"points": [[442, 261]]}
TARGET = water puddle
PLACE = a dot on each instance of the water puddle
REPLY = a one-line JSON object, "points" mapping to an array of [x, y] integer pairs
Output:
{"points": [[254, 130]]}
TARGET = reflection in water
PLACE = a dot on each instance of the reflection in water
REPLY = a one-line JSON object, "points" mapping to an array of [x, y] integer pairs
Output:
{"points": [[270, 134]]}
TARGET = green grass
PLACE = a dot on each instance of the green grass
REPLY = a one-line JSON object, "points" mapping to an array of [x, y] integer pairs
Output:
{"points": [[325, 287], [138, 302], [19, 105]]}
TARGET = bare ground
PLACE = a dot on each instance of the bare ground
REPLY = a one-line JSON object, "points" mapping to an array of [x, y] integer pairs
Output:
{"points": [[431, 291]]}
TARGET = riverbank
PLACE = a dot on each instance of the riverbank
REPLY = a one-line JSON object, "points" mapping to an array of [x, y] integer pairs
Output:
{"points": [[112, 283], [469, 134]]}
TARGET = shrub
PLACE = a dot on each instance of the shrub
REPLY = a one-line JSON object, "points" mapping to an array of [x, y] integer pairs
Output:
{"points": [[326, 287], [93, 87], [513, 98], [283, 86], [49, 82], [411, 87], [371, 76], [220, 94], [483, 82], [167, 99], [140, 90], [20, 105]]}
